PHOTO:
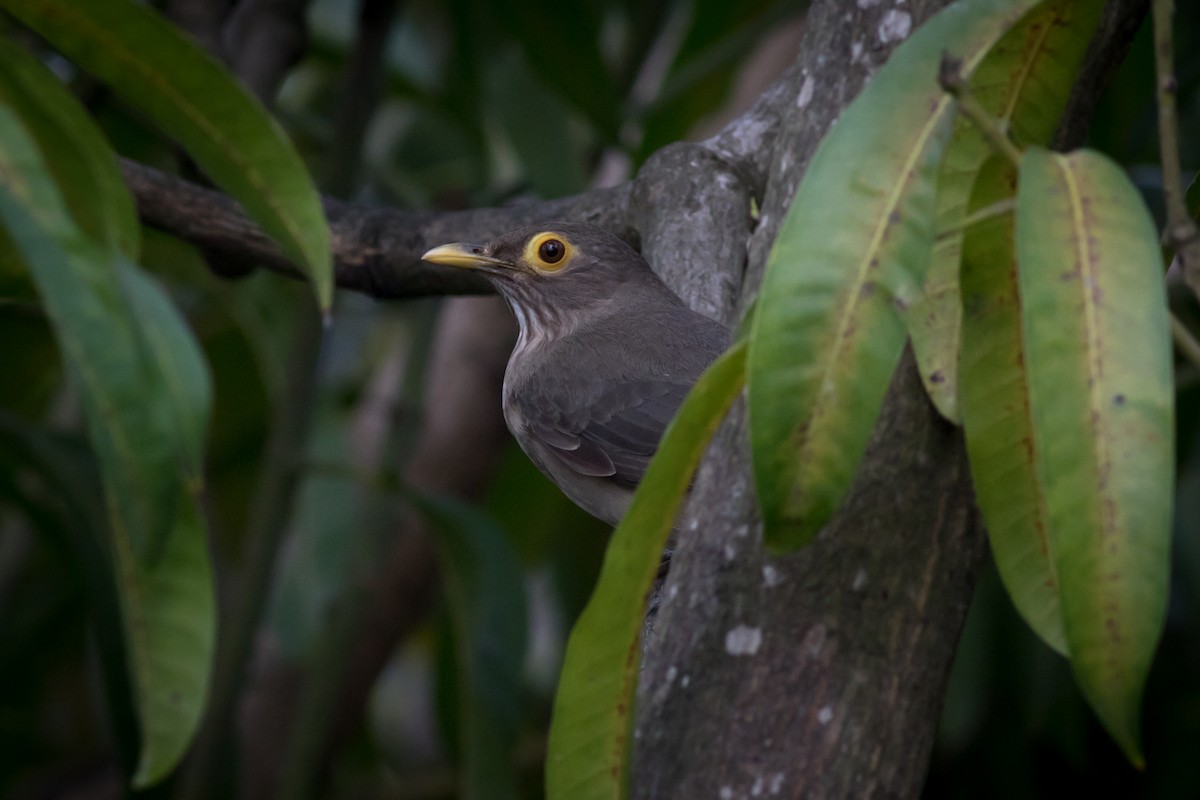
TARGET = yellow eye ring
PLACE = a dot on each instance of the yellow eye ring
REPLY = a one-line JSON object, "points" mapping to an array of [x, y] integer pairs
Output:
{"points": [[549, 252]]}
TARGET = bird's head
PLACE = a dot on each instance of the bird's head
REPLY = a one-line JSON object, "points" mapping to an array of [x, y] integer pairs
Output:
{"points": [[553, 267]]}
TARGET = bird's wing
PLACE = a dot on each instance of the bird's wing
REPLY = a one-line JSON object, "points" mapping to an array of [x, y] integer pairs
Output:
{"points": [[617, 434]]}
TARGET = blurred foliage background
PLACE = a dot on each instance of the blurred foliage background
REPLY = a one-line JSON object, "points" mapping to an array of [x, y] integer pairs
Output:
{"points": [[479, 104]]}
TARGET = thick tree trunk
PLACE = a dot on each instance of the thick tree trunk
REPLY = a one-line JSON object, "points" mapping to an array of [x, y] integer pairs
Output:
{"points": [[818, 674]]}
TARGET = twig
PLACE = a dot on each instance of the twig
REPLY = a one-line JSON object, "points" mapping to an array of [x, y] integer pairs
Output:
{"points": [[997, 209], [1181, 234], [951, 80]]}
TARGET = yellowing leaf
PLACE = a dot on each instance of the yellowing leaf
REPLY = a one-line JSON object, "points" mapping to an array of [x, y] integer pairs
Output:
{"points": [[851, 253], [996, 416], [1098, 360], [1024, 83]]}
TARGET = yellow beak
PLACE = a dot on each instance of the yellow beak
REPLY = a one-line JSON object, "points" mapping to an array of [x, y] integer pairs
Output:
{"points": [[463, 256]]}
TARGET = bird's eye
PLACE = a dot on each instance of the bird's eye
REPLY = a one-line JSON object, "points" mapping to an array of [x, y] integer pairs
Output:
{"points": [[551, 251]]}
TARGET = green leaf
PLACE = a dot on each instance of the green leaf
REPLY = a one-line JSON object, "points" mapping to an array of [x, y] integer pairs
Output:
{"points": [[850, 254], [96, 331], [144, 390], [593, 710], [183, 379], [85, 171], [483, 582], [1024, 82], [195, 101], [80, 161], [169, 611], [996, 416], [1098, 355]]}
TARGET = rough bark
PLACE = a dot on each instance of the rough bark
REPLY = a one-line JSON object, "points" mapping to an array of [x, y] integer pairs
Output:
{"points": [[818, 674]]}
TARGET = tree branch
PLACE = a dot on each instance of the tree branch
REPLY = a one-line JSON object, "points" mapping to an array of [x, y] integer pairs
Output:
{"points": [[376, 251]]}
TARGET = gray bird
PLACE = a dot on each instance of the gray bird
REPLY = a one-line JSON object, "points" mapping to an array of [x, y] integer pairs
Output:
{"points": [[605, 355]]}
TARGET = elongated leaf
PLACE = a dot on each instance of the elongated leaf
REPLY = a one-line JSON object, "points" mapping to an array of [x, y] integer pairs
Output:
{"points": [[80, 160], [1098, 354], [95, 328], [593, 710], [487, 610], [147, 408], [86, 172], [1024, 82], [166, 76], [181, 373], [169, 611], [997, 421], [853, 247]]}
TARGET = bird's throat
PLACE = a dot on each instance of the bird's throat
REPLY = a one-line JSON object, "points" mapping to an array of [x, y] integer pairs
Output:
{"points": [[538, 325]]}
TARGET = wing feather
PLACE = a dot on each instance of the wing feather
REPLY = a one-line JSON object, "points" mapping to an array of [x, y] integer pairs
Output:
{"points": [[597, 405], [618, 434]]}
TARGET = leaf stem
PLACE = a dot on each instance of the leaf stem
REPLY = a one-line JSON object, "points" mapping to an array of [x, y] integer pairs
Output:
{"points": [[1181, 234], [997, 209], [951, 79]]}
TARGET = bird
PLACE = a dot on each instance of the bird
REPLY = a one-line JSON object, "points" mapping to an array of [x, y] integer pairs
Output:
{"points": [[605, 354]]}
